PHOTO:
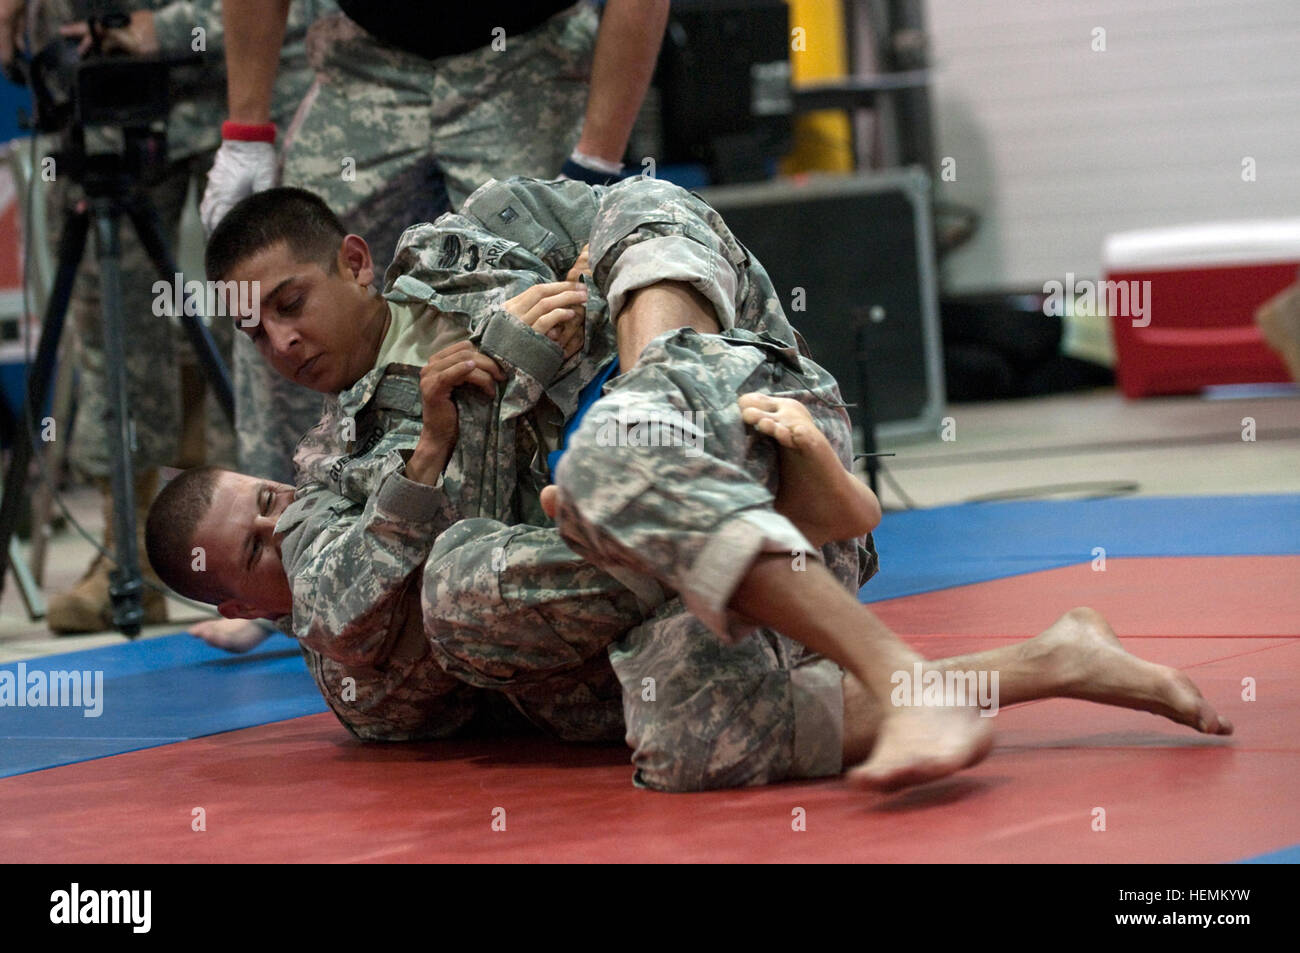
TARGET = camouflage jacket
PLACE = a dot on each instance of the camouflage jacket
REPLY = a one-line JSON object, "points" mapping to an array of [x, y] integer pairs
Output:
{"points": [[358, 532], [509, 235], [498, 467]]}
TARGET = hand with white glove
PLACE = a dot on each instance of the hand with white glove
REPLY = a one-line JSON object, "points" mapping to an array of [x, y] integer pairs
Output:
{"points": [[241, 168]]}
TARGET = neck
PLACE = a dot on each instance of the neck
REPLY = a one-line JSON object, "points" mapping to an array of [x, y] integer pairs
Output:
{"points": [[382, 318]]}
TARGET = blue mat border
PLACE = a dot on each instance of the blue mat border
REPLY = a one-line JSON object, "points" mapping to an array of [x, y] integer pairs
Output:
{"points": [[928, 550], [921, 551]]}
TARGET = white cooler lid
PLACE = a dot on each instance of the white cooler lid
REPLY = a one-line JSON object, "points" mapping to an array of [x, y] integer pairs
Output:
{"points": [[1259, 242]]}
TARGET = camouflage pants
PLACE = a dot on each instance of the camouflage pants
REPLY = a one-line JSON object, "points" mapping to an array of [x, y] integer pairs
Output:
{"points": [[687, 513], [380, 131], [512, 607], [155, 347], [663, 480]]}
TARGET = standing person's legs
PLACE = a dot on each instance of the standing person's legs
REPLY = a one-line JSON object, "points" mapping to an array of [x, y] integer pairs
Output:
{"points": [[516, 110], [214, 439], [149, 343]]}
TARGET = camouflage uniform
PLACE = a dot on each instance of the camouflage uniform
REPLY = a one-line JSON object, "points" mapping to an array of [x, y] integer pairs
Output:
{"points": [[355, 569], [378, 135], [694, 511], [508, 607], [358, 531], [153, 347]]}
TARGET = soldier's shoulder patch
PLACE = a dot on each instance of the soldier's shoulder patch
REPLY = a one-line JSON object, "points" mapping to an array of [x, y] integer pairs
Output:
{"points": [[494, 250], [450, 251]]}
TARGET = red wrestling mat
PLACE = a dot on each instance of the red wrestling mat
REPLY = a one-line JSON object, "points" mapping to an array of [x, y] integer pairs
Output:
{"points": [[1164, 596], [303, 790]]}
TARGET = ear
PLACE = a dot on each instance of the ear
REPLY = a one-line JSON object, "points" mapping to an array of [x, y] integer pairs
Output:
{"points": [[234, 609], [355, 260]]}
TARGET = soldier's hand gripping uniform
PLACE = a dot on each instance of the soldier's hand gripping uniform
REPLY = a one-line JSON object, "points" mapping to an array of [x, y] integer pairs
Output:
{"points": [[510, 605]]}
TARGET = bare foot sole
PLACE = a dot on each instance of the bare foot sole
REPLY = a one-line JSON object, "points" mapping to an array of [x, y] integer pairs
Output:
{"points": [[919, 744], [1090, 663], [817, 494]]}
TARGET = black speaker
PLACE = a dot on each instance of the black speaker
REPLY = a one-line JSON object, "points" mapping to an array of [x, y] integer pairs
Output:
{"points": [[852, 258], [721, 92]]}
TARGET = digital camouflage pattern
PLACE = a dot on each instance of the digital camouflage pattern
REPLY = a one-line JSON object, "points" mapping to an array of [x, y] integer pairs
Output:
{"points": [[506, 606], [693, 515], [350, 556], [388, 138], [746, 706]]}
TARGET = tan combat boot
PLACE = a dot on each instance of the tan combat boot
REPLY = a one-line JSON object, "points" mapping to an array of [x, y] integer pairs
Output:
{"points": [[87, 607]]}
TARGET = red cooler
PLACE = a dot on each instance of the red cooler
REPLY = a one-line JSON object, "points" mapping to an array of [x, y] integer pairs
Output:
{"points": [[1195, 325]]}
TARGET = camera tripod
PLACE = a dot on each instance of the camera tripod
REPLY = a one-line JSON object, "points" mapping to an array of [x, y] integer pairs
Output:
{"points": [[111, 192]]}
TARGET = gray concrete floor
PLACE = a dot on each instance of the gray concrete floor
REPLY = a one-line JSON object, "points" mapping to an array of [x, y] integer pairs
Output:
{"points": [[1167, 446]]}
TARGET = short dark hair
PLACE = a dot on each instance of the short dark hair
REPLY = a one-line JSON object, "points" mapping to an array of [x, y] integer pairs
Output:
{"points": [[267, 218], [169, 532]]}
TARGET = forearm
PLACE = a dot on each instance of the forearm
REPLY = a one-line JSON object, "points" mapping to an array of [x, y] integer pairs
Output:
{"points": [[254, 36], [627, 47], [657, 309], [428, 460]]}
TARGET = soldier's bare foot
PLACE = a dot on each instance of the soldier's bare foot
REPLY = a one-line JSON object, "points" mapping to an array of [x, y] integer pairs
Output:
{"points": [[922, 743], [1086, 660], [817, 494]]}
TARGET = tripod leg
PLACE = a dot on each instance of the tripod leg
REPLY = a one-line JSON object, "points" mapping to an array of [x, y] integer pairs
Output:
{"points": [[125, 583], [55, 457], [72, 245], [33, 599], [866, 409], [147, 227]]}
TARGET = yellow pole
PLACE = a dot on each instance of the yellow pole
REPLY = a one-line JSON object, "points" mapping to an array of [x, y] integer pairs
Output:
{"points": [[823, 140]]}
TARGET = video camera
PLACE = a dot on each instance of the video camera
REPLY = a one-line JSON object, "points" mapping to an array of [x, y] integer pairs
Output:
{"points": [[72, 94]]}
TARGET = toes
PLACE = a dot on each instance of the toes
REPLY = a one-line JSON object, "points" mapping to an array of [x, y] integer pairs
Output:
{"points": [[800, 436], [1214, 724], [872, 777]]}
